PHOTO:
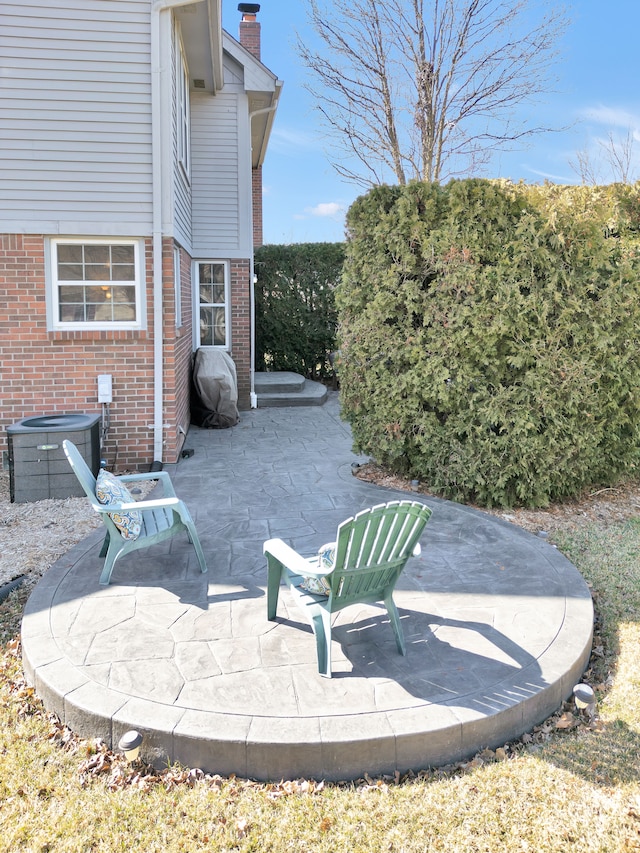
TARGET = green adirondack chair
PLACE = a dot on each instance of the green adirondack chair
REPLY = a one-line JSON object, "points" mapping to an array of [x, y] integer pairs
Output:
{"points": [[369, 554], [158, 519]]}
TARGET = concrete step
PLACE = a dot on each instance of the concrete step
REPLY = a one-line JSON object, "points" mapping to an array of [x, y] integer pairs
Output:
{"points": [[287, 389], [278, 382]]}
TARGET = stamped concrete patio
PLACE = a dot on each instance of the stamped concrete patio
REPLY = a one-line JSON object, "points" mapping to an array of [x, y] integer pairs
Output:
{"points": [[498, 624]]}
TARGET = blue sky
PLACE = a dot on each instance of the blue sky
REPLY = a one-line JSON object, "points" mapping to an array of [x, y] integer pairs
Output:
{"points": [[598, 92]]}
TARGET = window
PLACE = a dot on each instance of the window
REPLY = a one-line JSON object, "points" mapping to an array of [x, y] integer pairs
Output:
{"points": [[212, 289], [96, 284], [183, 108]]}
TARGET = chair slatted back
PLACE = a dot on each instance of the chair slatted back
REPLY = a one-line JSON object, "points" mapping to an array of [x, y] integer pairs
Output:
{"points": [[80, 469], [373, 547]]}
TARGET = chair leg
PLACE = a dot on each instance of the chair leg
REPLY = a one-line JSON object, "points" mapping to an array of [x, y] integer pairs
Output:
{"points": [[110, 559], [195, 541], [394, 618], [274, 574], [321, 624], [105, 545]]}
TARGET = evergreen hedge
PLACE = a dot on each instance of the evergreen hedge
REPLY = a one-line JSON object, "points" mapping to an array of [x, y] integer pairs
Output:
{"points": [[296, 316], [489, 337]]}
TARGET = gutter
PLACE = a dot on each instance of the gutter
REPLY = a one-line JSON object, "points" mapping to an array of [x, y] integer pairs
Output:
{"points": [[253, 397]]}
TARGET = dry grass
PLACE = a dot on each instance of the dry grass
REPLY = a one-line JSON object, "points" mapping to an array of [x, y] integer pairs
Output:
{"points": [[556, 790]]}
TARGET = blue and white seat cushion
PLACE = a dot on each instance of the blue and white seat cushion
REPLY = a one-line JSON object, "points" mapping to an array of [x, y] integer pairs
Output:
{"points": [[109, 490], [326, 560]]}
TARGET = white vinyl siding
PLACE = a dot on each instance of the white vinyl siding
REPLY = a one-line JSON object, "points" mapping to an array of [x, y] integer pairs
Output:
{"points": [[75, 117], [181, 132], [218, 186]]}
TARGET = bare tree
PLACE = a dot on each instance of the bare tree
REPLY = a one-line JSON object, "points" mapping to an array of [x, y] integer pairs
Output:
{"points": [[614, 159], [426, 89]]}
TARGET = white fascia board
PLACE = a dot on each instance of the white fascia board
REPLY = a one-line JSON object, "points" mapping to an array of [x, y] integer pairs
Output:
{"points": [[257, 77]]}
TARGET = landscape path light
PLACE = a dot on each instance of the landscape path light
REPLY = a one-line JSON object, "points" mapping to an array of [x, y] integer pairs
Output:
{"points": [[130, 744], [584, 698]]}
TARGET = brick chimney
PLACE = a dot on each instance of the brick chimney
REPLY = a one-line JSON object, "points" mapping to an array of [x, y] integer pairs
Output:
{"points": [[250, 28], [250, 40]]}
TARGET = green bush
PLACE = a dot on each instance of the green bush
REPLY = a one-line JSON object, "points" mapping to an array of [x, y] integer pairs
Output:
{"points": [[295, 306], [489, 337]]}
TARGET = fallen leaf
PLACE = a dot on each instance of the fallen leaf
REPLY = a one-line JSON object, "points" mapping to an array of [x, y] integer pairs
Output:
{"points": [[567, 721]]}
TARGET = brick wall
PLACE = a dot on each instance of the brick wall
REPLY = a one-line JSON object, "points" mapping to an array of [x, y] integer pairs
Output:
{"points": [[256, 201], [241, 328], [250, 34], [44, 372]]}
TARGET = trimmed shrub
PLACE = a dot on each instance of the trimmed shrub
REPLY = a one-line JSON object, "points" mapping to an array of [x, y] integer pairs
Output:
{"points": [[296, 316], [489, 337]]}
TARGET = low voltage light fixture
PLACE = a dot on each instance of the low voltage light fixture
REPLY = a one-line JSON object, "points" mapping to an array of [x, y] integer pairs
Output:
{"points": [[584, 698], [130, 744]]}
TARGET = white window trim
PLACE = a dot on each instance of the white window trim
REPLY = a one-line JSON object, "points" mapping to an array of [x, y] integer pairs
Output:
{"points": [[227, 304], [53, 302], [183, 108]]}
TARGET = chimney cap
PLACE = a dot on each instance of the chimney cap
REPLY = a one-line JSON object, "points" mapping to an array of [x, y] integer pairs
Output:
{"points": [[249, 8]]}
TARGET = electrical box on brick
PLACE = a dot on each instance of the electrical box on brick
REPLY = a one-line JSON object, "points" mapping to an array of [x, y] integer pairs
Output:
{"points": [[105, 391]]}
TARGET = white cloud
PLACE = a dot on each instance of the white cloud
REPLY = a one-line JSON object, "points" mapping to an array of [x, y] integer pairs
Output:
{"points": [[289, 139], [612, 117], [331, 209], [559, 179]]}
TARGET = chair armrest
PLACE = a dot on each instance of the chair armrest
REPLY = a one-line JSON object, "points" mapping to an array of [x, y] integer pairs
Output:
{"points": [[290, 559], [161, 476], [158, 503]]}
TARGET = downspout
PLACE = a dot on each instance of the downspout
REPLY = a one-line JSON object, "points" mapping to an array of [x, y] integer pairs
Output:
{"points": [[157, 163], [253, 397], [156, 232]]}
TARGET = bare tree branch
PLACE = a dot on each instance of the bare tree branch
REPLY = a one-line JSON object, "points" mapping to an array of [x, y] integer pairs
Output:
{"points": [[613, 159], [426, 88]]}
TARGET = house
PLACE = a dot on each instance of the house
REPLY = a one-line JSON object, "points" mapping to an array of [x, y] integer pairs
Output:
{"points": [[132, 136]]}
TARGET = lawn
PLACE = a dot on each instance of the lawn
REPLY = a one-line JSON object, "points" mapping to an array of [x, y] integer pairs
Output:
{"points": [[563, 786]]}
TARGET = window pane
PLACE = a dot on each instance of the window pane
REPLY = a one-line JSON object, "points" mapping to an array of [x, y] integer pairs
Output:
{"points": [[123, 312], [205, 273], [218, 294], [218, 273], [97, 272], [97, 295], [219, 339], [97, 254], [71, 294], [123, 272], [70, 313], [206, 294], [123, 255], [70, 272], [120, 295], [206, 327], [69, 253]]}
